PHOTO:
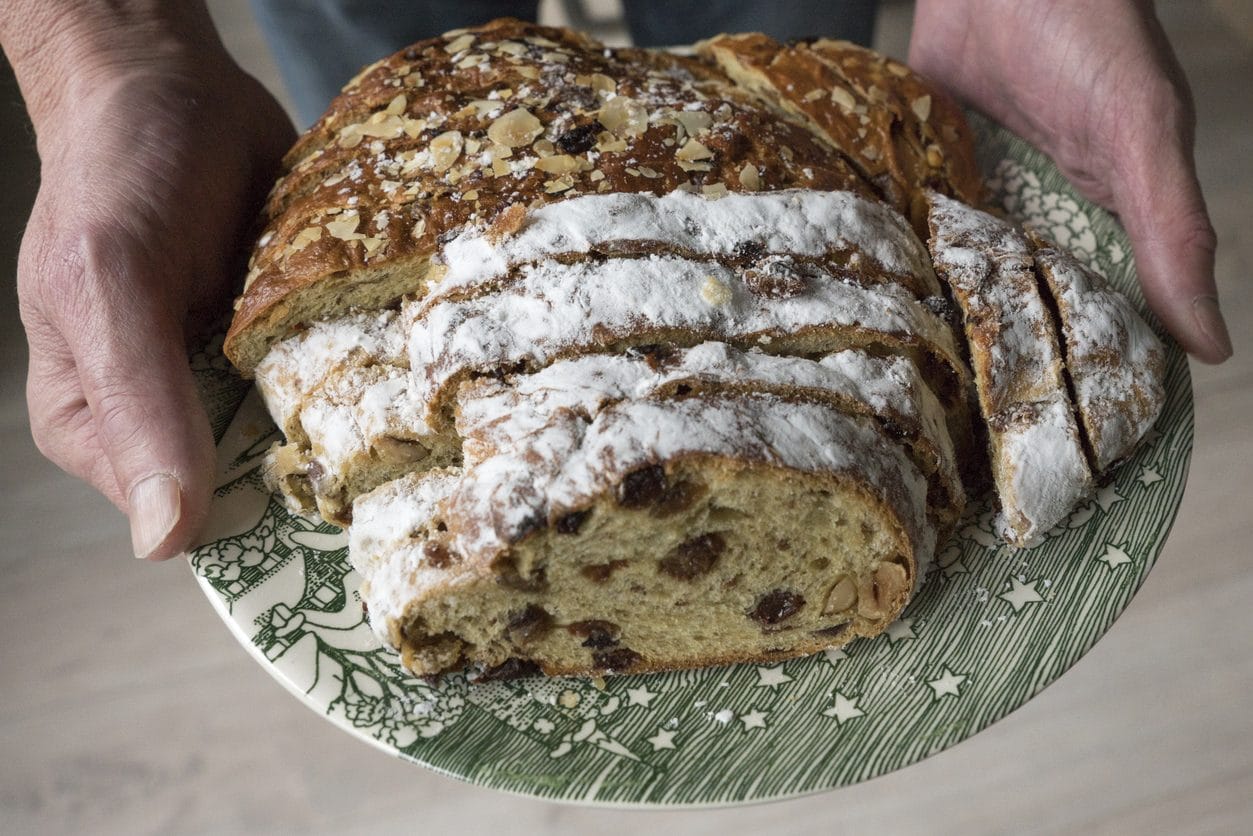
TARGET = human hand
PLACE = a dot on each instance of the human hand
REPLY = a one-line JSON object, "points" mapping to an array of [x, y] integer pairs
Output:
{"points": [[155, 149], [1096, 86]]}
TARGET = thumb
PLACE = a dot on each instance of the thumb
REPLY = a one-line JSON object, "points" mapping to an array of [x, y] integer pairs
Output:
{"points": [[148, 420], [1160, 203]]}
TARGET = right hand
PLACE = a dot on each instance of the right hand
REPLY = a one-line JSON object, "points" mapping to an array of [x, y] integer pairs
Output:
{"points": [[153, 162]]}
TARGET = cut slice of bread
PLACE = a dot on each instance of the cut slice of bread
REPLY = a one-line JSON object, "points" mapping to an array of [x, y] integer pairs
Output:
{"points": [[497, 415], [755, 528], [1038, 462], [1114, 360], [554, 310], [297, 366], [862, 240]]}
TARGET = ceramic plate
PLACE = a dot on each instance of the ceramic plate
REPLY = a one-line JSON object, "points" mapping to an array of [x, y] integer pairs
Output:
{"points": [[991, 628]]}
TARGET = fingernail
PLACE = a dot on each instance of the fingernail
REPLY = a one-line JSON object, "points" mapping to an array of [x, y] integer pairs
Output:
{"points": [[155, 505], [1209, 318]]}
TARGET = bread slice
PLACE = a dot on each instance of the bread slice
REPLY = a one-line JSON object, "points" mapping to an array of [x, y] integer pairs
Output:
{"points": [[755, 529], [453, 131], [862, 240], [1038, 462], [554, 310], [363, 429], [901, 133], [1115, 362], [298, 365], [496, 415]]}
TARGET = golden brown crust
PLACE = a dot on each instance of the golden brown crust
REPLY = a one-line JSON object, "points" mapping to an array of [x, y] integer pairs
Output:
{"points": [[901, 133], [456, 129]]}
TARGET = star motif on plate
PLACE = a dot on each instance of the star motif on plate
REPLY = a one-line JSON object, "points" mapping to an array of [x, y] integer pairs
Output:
{"points": [[835, 654], [1107, 497], [1114, 557], [1150, 438], [845, 709], [950, 562], [542, 726], [640, 696], [1148, 476], [771, 677], [900, 631], [949, 684], [754, 720], [662, 740], [1021, 594]]}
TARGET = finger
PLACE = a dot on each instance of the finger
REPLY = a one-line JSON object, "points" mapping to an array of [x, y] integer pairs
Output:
{"points": [[129, 354], [1159, 200], [61, 423]]}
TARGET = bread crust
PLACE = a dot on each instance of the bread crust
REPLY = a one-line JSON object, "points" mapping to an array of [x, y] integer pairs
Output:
{"points": [[414, 150], [901, 133]]}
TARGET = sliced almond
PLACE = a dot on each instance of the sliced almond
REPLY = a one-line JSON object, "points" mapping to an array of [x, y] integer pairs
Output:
{"points": [[623, 116], [749, 178], [516, 128], [841, 598], [445, 149], [459, 43], [843, 98], [694, 150], [921, 107]]}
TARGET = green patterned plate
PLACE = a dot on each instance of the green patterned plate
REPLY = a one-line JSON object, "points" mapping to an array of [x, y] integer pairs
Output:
{"points": [[991, 628]]}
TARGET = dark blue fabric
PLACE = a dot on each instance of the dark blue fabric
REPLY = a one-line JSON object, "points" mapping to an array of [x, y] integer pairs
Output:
{"points": [[320, 44]]}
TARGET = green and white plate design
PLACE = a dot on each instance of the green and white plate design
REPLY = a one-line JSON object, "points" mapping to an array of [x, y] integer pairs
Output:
{"points": [[992, 627]]}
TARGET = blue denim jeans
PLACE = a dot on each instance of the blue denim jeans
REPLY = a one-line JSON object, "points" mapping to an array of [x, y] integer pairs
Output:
{"points": [[320, 44]]}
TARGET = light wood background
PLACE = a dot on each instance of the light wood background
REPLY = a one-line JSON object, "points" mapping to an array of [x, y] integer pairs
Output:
{"points": [[126, 707]]}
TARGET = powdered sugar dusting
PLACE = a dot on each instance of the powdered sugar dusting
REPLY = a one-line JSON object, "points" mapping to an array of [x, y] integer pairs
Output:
{"points": [[494, 415], [1040, 470], [795, 222], [1116, 362], [554, 309], [296, 366]]}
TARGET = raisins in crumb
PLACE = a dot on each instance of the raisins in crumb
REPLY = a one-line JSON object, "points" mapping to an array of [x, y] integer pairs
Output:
{"points": [[572, 522], [578, 140], [531, 624], [640, 488], [777, 605], [693, 558], [601, 572], [596, 634], [617, 660], [511, 668], [436, 554]]}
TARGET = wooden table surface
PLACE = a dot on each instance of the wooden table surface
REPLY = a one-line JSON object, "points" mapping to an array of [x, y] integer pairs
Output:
{"points": [[126, 706]]}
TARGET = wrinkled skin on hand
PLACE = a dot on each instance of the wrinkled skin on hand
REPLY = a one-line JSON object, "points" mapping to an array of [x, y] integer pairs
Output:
{"points": [[1095, 84], [150, 175]]}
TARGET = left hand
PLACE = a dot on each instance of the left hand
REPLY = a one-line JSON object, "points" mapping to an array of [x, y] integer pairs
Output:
{"points": [[1095, 85]]}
